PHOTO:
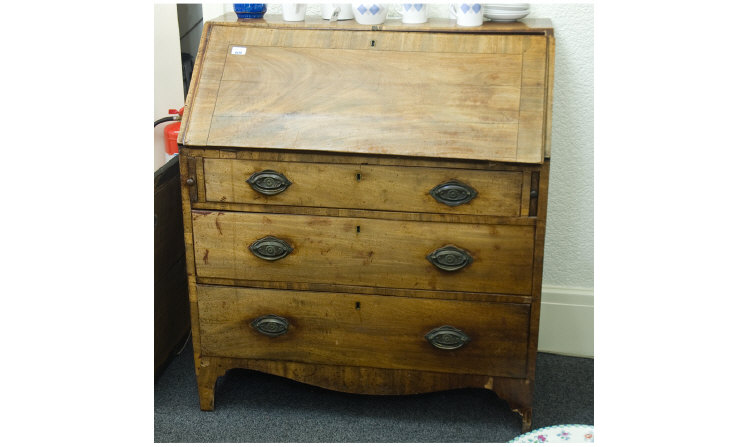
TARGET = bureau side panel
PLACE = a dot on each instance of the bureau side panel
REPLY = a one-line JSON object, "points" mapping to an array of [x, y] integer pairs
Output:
{"points": [[539, 236], [364, 330], [187, 163], [194, 81]]}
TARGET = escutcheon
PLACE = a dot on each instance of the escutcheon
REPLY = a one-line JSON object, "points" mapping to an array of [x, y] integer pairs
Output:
{"points": [[271, 325], [268, 182], [447, 337], [453, 193], [270, 248], [450, 258]]}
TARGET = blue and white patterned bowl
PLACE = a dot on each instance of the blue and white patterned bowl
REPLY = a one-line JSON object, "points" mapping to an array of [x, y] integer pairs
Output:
{"points": [[370, 13]]}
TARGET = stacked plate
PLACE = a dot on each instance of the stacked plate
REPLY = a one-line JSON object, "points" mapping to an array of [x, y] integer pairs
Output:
{"points": [[506, 12]]}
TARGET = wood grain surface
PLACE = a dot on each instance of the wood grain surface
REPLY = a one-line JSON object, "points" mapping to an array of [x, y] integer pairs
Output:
{"points": [[417, 94], [304, 156], [352, 251], [368, 380], [364, 121], [370, 290], [364, 330], [391, 188]]}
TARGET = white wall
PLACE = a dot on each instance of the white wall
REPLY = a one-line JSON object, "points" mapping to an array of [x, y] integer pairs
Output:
{"points": [[569, 249], [567, 317], [213, 10]]}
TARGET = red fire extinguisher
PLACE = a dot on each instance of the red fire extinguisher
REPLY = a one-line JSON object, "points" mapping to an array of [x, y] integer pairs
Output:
{"points": [[171, 131]]}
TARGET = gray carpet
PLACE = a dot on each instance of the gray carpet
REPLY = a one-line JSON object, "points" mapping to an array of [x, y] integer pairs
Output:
{"points": [[256, 407]]}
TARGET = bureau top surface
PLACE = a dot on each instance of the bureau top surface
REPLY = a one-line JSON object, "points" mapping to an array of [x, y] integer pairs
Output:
{"points": [[430, 90], [525, 26]]}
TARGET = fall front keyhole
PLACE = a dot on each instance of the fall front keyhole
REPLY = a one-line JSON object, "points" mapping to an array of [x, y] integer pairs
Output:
{"points": [[356, 305]]}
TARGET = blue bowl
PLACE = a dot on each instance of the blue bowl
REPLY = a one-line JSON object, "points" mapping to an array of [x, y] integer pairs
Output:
{"points": [[250, 10]]}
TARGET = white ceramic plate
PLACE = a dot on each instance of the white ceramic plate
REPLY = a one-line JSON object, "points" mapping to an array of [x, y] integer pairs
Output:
{"points": [[505, 8], [572, 433], [507, 13], [507, 5], [506, 16]]}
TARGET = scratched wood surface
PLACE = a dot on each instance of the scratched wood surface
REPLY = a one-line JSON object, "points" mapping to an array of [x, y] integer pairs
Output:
{"points": [[433, 94], [391, 188], [363, 330], [350, 251]]}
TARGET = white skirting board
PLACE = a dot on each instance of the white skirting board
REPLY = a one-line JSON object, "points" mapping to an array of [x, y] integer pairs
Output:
{"points": [[566, 321]]}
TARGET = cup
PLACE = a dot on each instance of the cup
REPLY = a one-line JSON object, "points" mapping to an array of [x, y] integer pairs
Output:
{"points": [[413, 12], [468, 14], [370, 13], [336, 11], [293, 12]]}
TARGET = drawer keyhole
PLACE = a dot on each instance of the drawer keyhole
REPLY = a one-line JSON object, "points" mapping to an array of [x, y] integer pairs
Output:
{"points": [[357, 228], [356, 305], [359, 176]]}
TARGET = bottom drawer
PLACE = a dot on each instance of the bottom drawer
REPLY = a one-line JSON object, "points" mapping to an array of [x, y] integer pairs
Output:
{"points": [[364, 330]]}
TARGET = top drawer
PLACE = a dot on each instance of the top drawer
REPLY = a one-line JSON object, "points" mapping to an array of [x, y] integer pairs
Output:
{"points": [[452, 95], [387, 188]]}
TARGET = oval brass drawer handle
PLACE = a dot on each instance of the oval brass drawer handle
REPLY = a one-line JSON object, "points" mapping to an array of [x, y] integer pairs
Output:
{"points": [[268, 182], [270, 248], [450, 258], [453, 193], [447, 337], [271, 325]]}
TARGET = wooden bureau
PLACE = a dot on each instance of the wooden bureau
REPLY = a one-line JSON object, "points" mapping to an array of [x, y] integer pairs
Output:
{"points": [[364, 206]]}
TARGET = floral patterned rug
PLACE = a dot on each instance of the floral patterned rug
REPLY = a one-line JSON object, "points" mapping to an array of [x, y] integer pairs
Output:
{"points": [[558, 433]]}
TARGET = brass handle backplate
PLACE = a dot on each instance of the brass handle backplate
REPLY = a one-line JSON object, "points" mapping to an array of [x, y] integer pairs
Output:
{"points": [[450, 258], [268, 182], [271, 325], [447, 337], [453, 193], [270, 248]]}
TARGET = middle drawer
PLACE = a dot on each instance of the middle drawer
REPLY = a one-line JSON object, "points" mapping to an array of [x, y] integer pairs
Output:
{"points": [[366, 252]]}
